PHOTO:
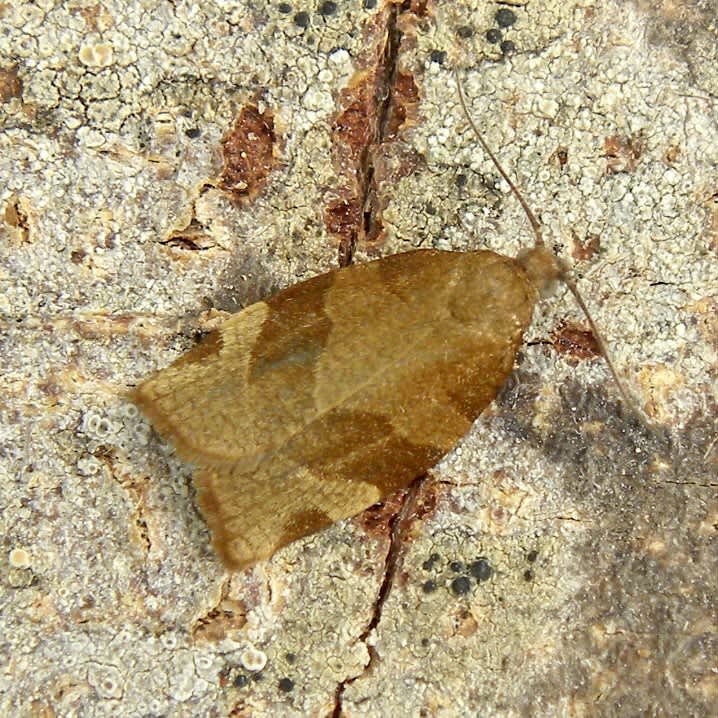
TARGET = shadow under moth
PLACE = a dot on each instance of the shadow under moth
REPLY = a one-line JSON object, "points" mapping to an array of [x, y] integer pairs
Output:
{"points": [[313, 405]]}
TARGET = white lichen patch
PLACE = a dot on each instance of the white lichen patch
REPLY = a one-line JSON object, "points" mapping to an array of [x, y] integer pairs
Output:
{"points": [[99, 54], [253, 659], [19, 558]]}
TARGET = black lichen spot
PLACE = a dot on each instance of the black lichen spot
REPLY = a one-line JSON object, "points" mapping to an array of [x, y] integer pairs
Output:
{"points": [[369, 4], [438, 56], [428, 586], [531, 556], [425, 642], [430, 209], [461, 181], [507, 47], [481, 569], [528, 575], [505, 17], [286, 685], [241, 681], [192, 132], [456, 566], [257, 677], [328, 8], [284, 7], [461, 585], [301, 19], [431, 562], [465, 32], [493, 35], [290, 657]]}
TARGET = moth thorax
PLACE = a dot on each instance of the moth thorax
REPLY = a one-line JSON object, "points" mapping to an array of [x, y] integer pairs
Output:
{"points": [[542, 268]]}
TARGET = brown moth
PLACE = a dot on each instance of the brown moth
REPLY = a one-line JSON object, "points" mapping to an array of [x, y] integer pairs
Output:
{"points": [[315, 404]]}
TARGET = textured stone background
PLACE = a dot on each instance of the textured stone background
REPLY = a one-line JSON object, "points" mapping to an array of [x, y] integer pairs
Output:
{"points": [[128, 227]]}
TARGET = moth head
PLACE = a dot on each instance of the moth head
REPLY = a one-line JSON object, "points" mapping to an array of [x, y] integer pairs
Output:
{"points": [[542, 268]]}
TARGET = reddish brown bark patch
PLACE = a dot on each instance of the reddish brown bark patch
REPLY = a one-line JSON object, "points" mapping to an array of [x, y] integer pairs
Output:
{"points": [[355, 125], [376, 520], [378, 103], [574, 340], [420, 8], [354, 130], [586, 248], [559, 157], [622, 153], [404, 103], [10, 83], [363, 134], [672, 153], [248, 150], [342, 217]]}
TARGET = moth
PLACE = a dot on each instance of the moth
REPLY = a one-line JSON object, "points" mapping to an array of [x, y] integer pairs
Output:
{"points": [[313, 405]]}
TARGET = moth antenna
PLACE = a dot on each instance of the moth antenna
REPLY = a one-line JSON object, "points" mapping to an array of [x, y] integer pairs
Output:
{"points": [[627, 397], [533, 221]]}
